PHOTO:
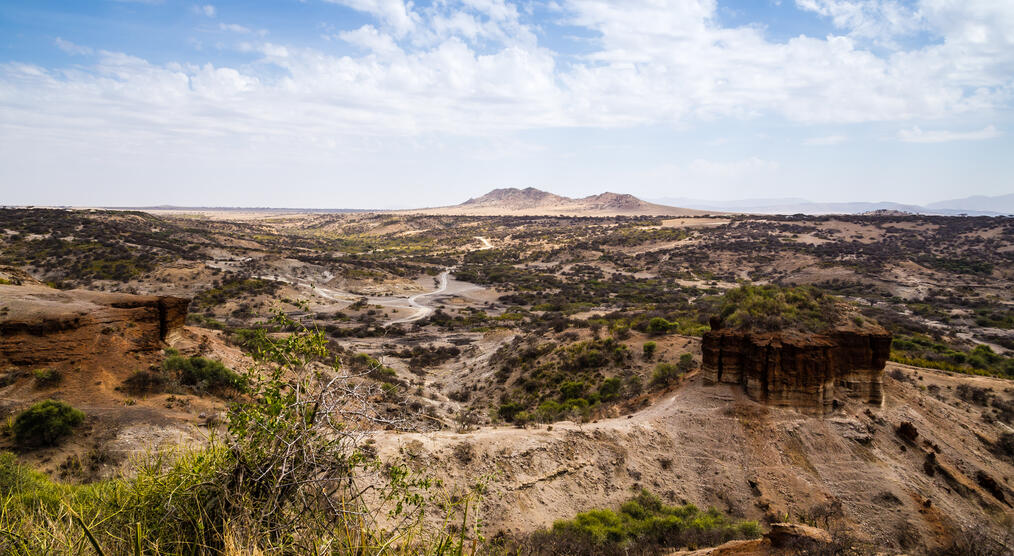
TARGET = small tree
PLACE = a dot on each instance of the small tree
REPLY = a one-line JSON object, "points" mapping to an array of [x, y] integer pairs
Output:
{"points": [[658, 326], [664, 374], [649, 349], [686, 363]]}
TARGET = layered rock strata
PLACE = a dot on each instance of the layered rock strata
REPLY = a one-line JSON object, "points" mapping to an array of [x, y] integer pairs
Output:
{"points": [[40, 325], [808, 372]]}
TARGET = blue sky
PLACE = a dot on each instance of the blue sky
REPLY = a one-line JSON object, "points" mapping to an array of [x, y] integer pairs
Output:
{"points": [[388, 104]]}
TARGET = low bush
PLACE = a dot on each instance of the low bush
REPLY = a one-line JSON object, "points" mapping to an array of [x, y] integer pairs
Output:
{"points": [[45, 423], [664, 374], [145, 382], [649, 349], [643, 525], [686, 363], [45, 378], [205, 374]]}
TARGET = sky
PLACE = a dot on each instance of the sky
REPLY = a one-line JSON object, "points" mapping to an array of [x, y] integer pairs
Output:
{"points": [[399, 104]]}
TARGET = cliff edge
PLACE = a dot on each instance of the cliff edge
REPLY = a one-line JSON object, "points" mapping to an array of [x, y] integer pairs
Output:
{"points": [[808, 372], [41, 325]]}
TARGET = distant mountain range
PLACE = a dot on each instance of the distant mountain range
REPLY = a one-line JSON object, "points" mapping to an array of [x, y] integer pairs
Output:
{"points": [[511, 201], [978, 205]]}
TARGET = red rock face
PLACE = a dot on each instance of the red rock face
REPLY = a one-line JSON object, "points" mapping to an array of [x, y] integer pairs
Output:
{"points": [[805, 372], [41, 325]]}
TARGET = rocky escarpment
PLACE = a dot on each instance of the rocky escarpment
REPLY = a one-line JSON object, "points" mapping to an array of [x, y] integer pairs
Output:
{"points": [[809, 372], [40, 325]]}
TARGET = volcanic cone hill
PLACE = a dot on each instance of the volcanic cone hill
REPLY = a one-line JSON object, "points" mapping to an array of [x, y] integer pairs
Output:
{"points": [[530, 201]]}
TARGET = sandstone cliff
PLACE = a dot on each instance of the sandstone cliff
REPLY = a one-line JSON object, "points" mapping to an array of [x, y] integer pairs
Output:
{"points": [[41, 325], [808, 372]]}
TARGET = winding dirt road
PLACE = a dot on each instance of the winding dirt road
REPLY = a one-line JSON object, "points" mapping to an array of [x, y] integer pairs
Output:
{"points": [[423, 311], [416, 302]]}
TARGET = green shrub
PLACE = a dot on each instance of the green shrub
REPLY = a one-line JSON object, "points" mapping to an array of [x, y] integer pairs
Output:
{"points": [[686, 363], [509, 410], [44, 378], [771, 307], [145, 382], [643, 525], [610, 389], [664, 374], [571, 389], [45, 423], [649, 349], [658, 326], [203, 373], [364, 362]]}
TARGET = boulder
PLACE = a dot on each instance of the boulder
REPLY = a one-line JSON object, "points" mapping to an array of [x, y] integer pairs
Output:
{"points": [[795, 535]]}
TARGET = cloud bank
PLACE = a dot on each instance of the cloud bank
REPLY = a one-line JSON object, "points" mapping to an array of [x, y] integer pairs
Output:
{"points": [[479, 67]]}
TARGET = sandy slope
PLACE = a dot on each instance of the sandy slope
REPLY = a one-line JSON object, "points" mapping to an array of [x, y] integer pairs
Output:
{"points": [[712, 446]]}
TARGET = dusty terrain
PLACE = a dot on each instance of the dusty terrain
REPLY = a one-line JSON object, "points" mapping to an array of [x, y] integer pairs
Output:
{"points": [[527, 334], [711, 445]]}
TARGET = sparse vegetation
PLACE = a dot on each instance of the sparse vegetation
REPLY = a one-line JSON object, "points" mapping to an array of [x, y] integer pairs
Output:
{"points": [[771, 307], [922, 351], [203, 374], [281, 482], [47, 378], [643, 524], [587, 322]]}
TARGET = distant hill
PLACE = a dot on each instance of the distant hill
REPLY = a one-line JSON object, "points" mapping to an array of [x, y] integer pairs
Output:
{"points": [[530, 201], [973, 206], [1002, 204]]}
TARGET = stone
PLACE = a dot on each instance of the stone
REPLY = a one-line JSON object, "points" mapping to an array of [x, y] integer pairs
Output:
{"points": [[807, 372], [786, 535], [41, 325]]}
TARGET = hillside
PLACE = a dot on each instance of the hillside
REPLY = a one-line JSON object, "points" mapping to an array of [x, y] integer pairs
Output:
{"points": [[530, 201], [564, 363], [850, 472]]}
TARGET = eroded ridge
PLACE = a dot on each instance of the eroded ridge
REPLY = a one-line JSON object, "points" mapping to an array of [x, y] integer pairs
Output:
{"points": [[808, 372]]}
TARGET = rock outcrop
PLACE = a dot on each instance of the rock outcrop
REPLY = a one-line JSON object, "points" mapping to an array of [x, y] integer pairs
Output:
{"points": [[783, 538], [808, 372], [41, 325]]}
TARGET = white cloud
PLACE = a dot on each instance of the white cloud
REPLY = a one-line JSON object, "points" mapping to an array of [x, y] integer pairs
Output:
{"points": [[370, 38], [71, 48], [476, 67], [918, 135], [234, 28], [396, 14], [207, 9], [880, 20], [826, 140]]}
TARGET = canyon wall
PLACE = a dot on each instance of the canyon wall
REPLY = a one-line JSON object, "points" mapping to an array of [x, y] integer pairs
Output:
{"points": [[40, 325], [808, 372]]}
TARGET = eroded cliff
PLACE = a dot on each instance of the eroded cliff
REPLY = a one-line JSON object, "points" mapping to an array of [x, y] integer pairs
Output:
{"points": [[41, 325], [808, 372]]}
